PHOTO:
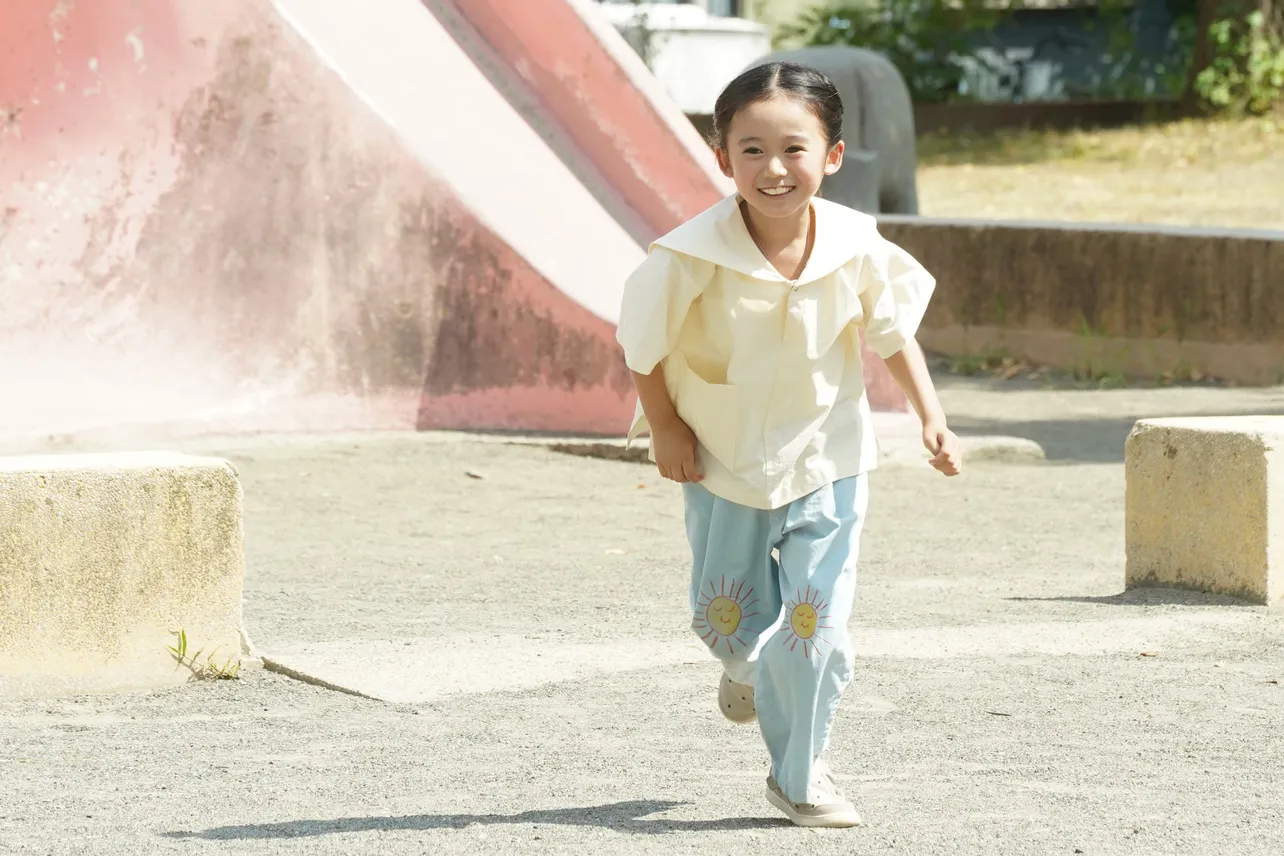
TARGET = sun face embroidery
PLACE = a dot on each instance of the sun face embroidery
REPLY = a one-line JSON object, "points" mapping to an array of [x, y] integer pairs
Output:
{"points": [[807, 615], [720, 612]]}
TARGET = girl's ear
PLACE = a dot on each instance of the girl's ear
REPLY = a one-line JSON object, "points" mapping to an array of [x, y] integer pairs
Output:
{"points": [[724, 161], [834, 160]]}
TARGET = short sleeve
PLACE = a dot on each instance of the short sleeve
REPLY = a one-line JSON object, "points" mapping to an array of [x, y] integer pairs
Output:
{"points": [[894, 293], [657, 297]]}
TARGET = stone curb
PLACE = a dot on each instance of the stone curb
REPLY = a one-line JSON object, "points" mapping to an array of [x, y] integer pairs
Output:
{"points": [[899, 451]]}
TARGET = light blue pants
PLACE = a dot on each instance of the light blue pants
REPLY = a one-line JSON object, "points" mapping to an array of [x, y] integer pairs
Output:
{"points": [[780, 624]]}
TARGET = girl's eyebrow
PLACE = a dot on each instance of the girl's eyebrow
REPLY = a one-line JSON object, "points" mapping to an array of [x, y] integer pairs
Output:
{"points": [[792, 138]]}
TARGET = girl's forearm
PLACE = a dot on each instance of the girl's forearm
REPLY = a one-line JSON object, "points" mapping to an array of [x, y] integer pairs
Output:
{"points": [[909, 369], [654, 395]]}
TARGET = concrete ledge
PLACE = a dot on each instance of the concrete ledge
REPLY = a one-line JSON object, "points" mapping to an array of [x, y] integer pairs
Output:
{"points": [[1203, 509], [894, 451], [103, 558], [1255, 364], [963, 117], [1104, 299]]}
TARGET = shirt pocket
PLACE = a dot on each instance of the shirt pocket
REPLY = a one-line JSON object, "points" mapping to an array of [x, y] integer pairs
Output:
{"points": [[712, 411]]}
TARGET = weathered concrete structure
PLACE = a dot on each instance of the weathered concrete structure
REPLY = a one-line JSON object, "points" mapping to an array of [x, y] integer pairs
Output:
{"points": [[1105, 300], [104, 558], [291, 215], [241, 215], [1205, 505]]}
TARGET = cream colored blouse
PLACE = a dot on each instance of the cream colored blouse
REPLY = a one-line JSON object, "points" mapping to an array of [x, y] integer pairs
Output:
{"points": [[767, 372]]}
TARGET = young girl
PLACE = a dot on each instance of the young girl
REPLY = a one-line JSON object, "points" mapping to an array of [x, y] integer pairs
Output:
{"points": [[741, 330]]}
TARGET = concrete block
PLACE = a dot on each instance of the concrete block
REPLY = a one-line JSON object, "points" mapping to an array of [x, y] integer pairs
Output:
{"points": [[1204, 506], [103, 558]]}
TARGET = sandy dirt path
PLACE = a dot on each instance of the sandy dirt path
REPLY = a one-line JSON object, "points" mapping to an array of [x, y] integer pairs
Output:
{"points": [[529, 627]]}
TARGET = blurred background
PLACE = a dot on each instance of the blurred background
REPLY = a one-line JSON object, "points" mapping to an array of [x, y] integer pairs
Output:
{"points": [[1090, 110], [318, 215]]}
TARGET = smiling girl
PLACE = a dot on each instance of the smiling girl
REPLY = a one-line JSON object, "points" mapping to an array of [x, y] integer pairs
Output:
{"points": [[741, 329]]}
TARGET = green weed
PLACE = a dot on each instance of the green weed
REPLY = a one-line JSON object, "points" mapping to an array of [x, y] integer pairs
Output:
{"points": [[210, 670]]}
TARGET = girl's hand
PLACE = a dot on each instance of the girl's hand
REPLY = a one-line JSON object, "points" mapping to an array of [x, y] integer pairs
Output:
{"points": [[674, 444], [909, 367], [947, 451]]}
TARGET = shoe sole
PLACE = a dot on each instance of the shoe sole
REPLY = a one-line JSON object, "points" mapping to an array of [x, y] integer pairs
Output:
{"points": [[837, 820], [743, 719]]}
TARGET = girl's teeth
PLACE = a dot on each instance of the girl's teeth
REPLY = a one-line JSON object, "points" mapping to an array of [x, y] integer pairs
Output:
{"points": [[776, 191]]}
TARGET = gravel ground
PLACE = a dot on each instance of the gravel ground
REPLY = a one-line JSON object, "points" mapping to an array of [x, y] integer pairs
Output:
{"points": [[1010, 698]]}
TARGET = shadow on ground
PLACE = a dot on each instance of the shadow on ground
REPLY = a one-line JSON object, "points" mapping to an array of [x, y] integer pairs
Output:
{"points": [[1099, 441], [1145, 597], [1081, 441], [621, 817]]}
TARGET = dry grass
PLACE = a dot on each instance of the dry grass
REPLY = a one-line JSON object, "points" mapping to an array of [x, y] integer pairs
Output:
{"points": [[1204, 173]]}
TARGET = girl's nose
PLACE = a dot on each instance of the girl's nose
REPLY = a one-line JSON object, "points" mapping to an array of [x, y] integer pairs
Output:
{"points": [[776, 168]]}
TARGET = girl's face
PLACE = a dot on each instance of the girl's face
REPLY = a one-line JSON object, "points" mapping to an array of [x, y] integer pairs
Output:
{"points": [[777, 156]]}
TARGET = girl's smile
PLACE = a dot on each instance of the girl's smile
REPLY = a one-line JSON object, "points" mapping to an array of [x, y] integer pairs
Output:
{"points": [[778, 153]]}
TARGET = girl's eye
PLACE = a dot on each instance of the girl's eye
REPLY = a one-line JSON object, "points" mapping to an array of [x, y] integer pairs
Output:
{"points": [[753, 150], [794, 149]]}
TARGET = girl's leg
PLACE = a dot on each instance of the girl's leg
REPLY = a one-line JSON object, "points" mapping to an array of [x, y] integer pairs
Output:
{"points": [[806, 666], [735, 595]]}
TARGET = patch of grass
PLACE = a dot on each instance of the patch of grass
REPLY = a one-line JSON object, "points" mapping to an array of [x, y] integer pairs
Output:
{"points": [[1099, 377], [994, 363], [210, 670], [1226, 173], [1184, 142], [1022, 373], [969, 365], [1183, 374]]}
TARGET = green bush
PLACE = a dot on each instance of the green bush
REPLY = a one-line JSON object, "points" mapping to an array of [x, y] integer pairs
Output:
{"points": [[1247, 71], [925, 39]]}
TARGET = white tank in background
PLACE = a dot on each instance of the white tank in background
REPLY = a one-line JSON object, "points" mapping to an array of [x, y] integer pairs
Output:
{"points": [[693, 53]]}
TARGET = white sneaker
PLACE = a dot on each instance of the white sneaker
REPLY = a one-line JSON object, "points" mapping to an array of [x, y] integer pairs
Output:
{"points": [[831, 808], [820, 770], [736, 701]]}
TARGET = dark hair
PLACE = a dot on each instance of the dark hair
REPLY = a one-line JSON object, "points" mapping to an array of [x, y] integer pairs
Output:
{"points": [[780, 78]]}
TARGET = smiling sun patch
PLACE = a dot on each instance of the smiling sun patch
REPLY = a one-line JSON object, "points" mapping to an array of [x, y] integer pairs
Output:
{"points": [[808, 614], [722, 610]]}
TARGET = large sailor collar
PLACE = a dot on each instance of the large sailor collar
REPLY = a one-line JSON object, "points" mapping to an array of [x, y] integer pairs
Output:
{"points": [[719, 235]]}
